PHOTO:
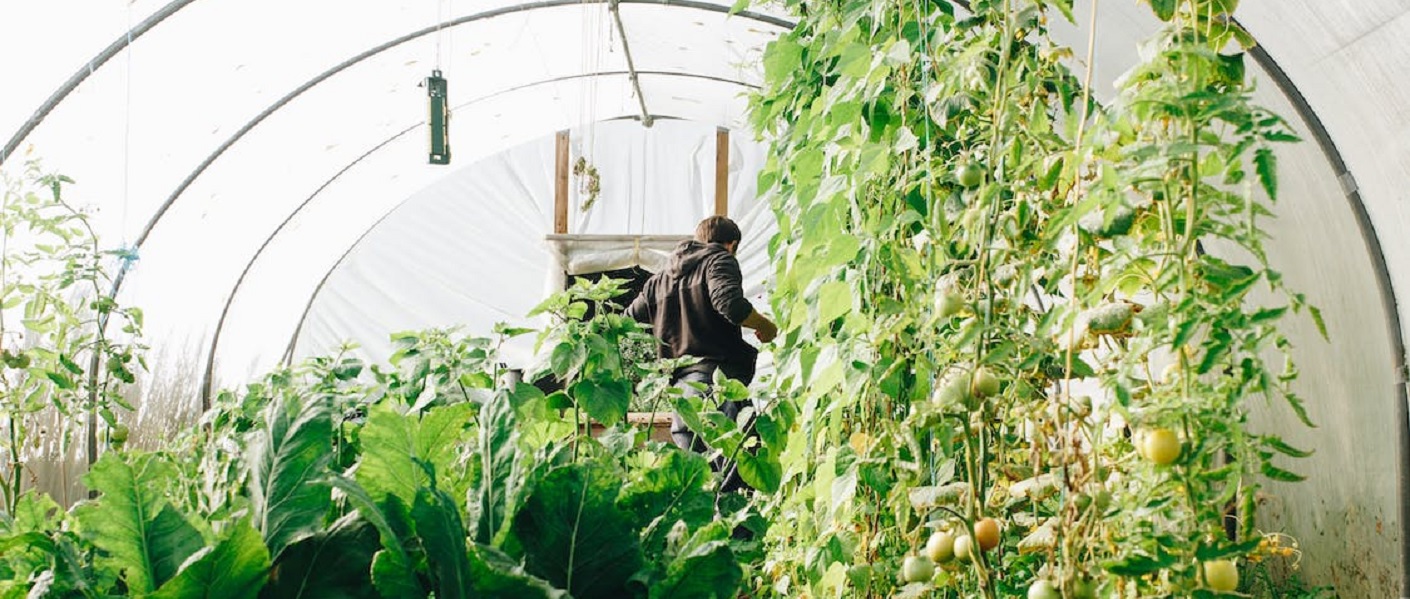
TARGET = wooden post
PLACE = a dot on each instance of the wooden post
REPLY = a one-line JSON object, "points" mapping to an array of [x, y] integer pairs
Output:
{"points": [[560, 186], [722, 172]]}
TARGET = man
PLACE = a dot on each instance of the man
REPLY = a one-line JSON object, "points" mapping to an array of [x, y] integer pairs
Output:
{"points": [[696, 307]]}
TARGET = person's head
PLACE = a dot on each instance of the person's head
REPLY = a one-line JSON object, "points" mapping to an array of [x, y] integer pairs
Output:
{"points": [[719, 229]]}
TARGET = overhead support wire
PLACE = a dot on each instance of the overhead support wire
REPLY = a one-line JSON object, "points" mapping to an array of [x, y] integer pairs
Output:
{"points": [[613, 6]]}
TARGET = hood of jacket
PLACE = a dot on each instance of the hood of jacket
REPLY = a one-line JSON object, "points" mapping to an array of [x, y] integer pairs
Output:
{"points": [[690, 255]]}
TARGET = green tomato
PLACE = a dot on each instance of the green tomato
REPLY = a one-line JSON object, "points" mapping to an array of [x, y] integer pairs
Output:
{"points": [[968, 174], [1161, 446], [948, 304], [941, 547], [1222, 575], [985, 383], [964, 548], [1042, 589], [917, 568], [118, 434], [1084, 588]]}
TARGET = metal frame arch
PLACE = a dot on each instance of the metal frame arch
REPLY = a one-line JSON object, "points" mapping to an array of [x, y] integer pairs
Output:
{"points": [[83, 72], [1385, 286], [125, 40], [318, 289], [208, 377]]}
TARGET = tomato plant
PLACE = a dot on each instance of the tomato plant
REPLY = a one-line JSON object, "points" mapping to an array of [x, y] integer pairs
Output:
{"points": [[992, 237]]}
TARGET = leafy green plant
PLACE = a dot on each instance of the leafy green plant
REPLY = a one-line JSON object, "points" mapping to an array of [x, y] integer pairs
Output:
{"points": [[964, 237], [56, 351], [441, 481]]}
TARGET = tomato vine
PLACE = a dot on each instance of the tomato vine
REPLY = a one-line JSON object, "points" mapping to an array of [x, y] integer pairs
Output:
{"points": [[983, 278]]}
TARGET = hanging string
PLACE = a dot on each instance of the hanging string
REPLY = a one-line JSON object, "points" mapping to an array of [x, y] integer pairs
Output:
{"points": [[440, 34], [126, 136]]}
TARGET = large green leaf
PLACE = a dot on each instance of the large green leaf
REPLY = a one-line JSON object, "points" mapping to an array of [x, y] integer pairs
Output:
{"points": [[289, 489], [138, 534], [834, 300], [495, 575], [574, 536], [235, 568], [394, 576], [442, 534], [393, 573], [671, 491], [706, 570], [334, 563], [399, 451], [605, 400], [498, 453]]}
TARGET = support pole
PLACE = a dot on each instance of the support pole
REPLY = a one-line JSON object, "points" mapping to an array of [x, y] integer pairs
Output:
{"points": [[722, 172], [560, 185]]}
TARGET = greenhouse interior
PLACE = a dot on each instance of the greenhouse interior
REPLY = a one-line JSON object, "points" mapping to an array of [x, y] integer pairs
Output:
{"points": [[1072, 298]]}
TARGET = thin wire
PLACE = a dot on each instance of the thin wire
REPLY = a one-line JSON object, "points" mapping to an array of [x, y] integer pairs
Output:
{"points": [[126, 131], [440, 20]]}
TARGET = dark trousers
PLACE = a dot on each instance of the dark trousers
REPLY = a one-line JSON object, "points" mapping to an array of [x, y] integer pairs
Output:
{"points": [[688, 440]]}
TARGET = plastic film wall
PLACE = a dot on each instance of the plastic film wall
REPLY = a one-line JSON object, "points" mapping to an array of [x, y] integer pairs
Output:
{"points": [[269, 158]]}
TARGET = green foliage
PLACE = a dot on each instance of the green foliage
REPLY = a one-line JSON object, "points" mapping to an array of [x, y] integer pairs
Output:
{"points": [[69, 350], [419, 479], [403, 454], [234, 568], [329, 564], [139, 533], [574, 536], [950, 199], [289, 491]]}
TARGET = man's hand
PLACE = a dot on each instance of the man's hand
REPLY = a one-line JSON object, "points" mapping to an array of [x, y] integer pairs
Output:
{"points": [[764, 328]]}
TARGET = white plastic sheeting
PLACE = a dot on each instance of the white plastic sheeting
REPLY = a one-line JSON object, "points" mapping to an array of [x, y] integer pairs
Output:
{"points": [[472, 249], [274, 137]]}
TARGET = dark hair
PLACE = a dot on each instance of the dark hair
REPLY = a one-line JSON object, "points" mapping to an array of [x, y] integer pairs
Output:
{"points": [[717, 229]]}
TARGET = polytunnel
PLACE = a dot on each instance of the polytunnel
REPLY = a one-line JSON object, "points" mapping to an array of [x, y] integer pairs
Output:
{"points": [[267, 164]]}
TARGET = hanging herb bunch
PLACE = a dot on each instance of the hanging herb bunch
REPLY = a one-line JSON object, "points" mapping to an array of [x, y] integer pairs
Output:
{"points": [[967, 239], [589, 182]]}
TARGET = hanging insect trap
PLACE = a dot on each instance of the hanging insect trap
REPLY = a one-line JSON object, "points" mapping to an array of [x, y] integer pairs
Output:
{"points": [[439, 118]]}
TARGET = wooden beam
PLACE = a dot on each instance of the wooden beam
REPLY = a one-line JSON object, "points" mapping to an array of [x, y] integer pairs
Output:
{"points": [[722, 172], [560, 186]]}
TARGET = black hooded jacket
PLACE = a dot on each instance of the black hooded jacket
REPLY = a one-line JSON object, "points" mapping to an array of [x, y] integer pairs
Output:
{"points": [[695, 307]]}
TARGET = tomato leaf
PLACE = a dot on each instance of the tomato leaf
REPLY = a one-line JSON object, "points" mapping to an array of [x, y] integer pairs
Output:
{"points": [[1299, 408], [1277, 444], [1278, 474], [1137, 564], [1206, 552], [60, 379], [1265, 163]]}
